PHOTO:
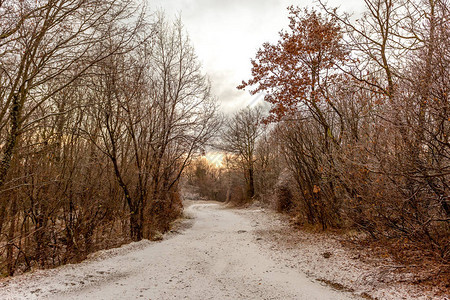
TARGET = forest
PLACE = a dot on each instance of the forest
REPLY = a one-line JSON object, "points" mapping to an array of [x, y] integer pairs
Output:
{"points": [[101, 108], [106, 114], [357, 133]]}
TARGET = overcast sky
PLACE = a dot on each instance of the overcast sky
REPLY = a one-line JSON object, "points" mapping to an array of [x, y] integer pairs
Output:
{"points": [[227, 33]]}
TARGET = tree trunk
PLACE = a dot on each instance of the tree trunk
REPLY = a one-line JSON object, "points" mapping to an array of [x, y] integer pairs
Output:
{"points": [[10, 245], [135, 225], [251, 184], [11, 139]]}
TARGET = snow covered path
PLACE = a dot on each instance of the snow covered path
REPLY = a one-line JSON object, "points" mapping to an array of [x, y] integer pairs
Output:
{"points": [[218, 258]]}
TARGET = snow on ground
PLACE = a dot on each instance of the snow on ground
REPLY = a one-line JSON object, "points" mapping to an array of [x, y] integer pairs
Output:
{"points": [[322, 256], [218, 258], [226, 254]]}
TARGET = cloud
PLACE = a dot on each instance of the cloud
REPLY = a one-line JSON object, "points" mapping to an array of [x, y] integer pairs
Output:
{"points": [[226, 35]]}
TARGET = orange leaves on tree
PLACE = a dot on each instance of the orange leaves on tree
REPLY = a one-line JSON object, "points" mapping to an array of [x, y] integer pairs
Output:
{"points": [[292, 71], [316, 189]]}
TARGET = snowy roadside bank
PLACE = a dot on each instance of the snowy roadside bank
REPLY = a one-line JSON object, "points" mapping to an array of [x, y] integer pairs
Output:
{"points": [[323, 257], [217, 258], [218, 253], [99, 266]]}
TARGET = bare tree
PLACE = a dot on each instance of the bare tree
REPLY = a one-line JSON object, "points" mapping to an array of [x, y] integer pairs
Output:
{"points": [[384, 106], [239, 137], [45, 48], [156, 112], [100, 112]]}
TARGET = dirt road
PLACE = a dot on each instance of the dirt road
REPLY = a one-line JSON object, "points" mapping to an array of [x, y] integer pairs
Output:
{"points": [[219, 257]]}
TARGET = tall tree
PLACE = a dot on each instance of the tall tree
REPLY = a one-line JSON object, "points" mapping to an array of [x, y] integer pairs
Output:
{"points": [[295, 72], [44, 47], [239, 137]]}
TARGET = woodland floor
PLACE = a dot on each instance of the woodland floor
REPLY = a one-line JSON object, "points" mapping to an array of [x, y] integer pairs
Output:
{"points": [[222, 253]]}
